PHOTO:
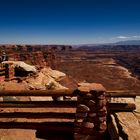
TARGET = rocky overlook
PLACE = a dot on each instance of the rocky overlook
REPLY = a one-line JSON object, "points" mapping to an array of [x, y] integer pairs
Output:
{"points": [[117, 69]]}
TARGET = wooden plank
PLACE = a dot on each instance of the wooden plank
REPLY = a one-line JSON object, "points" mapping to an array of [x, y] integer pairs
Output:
{"points": [[126, 94], [37, 115], [50, 126], [121, 107], [38, 104], [2, 69], [2, 72], [62, 104], [122, 93], [63, 92]]}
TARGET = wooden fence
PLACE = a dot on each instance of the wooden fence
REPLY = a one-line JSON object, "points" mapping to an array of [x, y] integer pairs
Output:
{"points": [[62, 125], [2, 74]]}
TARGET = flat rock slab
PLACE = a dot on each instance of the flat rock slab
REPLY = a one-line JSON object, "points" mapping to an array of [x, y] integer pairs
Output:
{"points": [[137, 111], [87, 87], [126, 125], [130, 125]]}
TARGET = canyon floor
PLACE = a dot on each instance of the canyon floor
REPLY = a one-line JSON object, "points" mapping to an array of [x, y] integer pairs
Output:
{"points": [[105, 71]]}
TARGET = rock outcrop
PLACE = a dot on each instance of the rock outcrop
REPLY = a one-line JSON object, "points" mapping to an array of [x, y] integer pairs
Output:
{"points": [[21, 65], [46, 79], [125, 125]]}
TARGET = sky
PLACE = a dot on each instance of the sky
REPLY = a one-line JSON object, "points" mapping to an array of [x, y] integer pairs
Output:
{"points": [[68, 21]]}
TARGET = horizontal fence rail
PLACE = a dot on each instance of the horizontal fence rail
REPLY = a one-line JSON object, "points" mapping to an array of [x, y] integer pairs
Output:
{"points": [[2, 71], [37, 93], [38, 104], [64, 92], [121, 93], [121, 107], [62, 104], [48, 126], [37, 115]]}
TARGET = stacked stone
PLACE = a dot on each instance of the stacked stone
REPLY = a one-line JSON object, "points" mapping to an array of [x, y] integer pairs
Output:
{"points": [[2, 73], [91, 112], [9, 71]]}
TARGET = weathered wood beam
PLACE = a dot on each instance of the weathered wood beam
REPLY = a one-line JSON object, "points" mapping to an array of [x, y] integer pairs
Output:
{"points": [[121, 107], [2, 69], [63, 92], [50, 126], [38, 104], [37, 115], [125, 94], [2, 72], [63, 104]]}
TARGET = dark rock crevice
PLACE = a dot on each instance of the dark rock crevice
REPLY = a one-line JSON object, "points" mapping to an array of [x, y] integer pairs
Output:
{"points": [[122, 134]]}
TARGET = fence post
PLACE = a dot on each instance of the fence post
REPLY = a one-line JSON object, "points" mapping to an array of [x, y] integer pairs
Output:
{"points": [[9, 71], [2, 73], [91, 112]]}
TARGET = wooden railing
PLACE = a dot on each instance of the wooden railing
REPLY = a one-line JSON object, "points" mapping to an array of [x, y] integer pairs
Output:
{"points": [[69, 116], [36, 116], [2, 71]]}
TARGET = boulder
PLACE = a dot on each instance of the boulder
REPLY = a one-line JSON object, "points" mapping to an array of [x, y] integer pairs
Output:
{"points": [[22, 65], [44, 81], [82, 108], [53, 73]]}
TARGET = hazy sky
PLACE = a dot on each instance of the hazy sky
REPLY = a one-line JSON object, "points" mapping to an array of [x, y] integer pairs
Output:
{"points": [[68, 21]]}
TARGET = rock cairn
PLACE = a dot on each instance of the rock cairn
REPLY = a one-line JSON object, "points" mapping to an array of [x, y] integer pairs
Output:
{"points": [[91, 111]]}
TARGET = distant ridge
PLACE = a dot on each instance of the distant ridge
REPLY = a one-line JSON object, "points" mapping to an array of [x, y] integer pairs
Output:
{"points": [[128, 42]]}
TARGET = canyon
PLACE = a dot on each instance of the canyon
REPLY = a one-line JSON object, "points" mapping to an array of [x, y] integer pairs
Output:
{"points": [[117, 68]]}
